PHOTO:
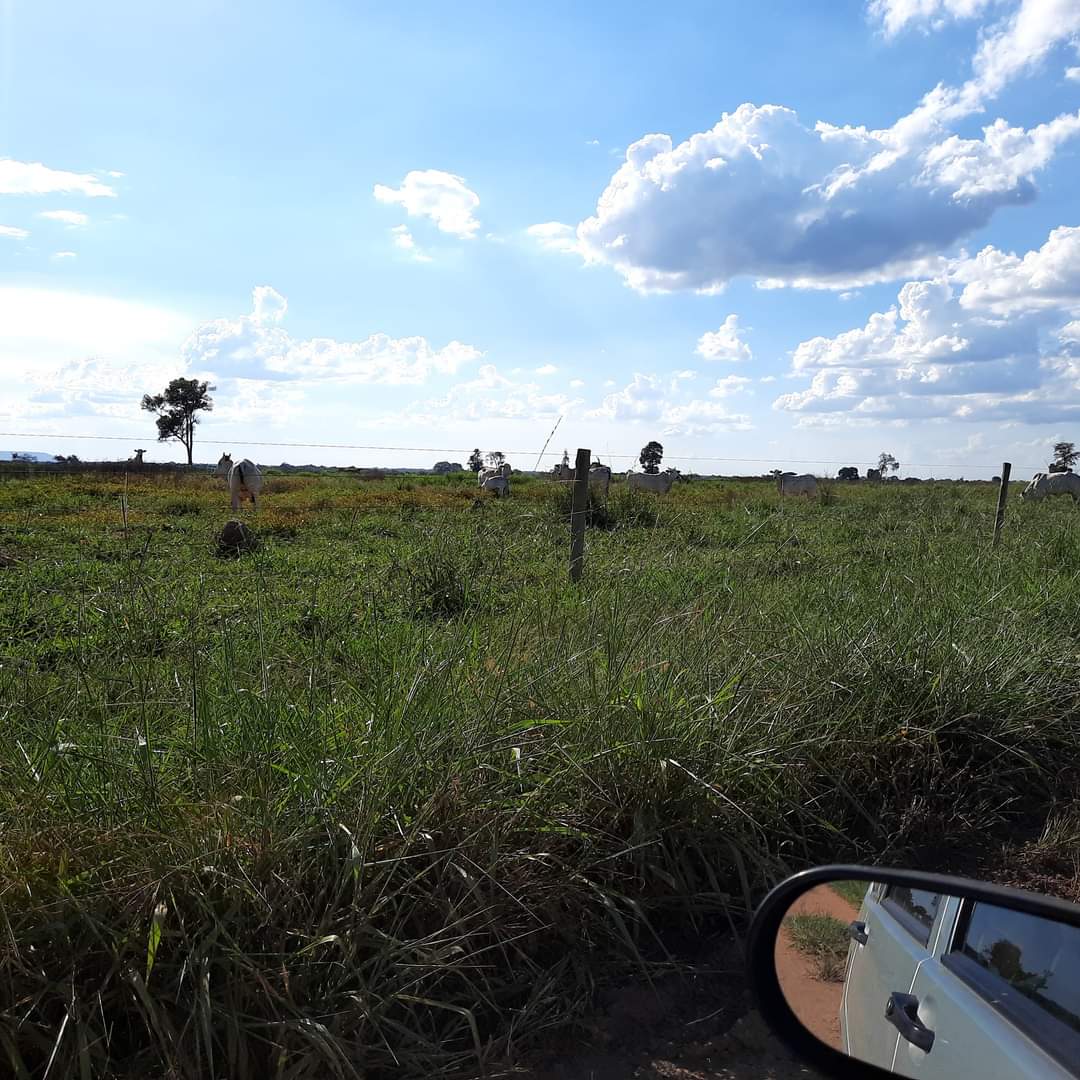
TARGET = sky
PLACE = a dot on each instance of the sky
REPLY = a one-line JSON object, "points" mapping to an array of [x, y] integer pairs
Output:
{"points": [[767, 235]]}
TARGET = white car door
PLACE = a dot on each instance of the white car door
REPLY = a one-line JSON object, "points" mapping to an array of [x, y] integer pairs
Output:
{"points": [[896, 924], [1000, 998]]}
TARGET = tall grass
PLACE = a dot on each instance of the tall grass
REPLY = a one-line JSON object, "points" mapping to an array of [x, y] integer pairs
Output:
{"points": [[379, 797]]}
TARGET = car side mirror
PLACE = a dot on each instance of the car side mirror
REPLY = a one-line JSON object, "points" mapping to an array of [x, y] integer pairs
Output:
{"points": [[874, 972]]}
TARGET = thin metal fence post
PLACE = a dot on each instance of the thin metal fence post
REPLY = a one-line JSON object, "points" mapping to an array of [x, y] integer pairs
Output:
{"points": [[1003, 494], [578, 509]]}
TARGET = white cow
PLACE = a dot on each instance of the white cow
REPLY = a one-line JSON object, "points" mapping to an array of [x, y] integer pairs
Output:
{"points": [[599, 481], [657, 483], [1060, 483], [797, 485], [497, 483], [243, 478], [502, 471]]}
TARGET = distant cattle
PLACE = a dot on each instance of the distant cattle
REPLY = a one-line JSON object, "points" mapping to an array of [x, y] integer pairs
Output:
{"points": [[599, 481], [796, 485], [657, 483], [503, 472], [563, 472], [1060, 483], [138, 458], [498, 484], [243, 478]]}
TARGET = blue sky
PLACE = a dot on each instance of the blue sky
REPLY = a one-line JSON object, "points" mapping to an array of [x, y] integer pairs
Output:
{"points": [[781, 232]]}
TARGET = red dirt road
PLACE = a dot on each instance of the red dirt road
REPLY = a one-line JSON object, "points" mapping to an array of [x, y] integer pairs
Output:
{"points": [[815, 1002]]}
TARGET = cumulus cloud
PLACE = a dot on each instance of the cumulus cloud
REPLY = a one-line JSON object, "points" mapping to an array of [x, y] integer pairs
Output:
{"points": [[725, 343], [991, 339], [257, 345], [74, 219], [68, 353], [764, 195], [491, 396], [895, 15], [546, 369], [404, 240], [440, 196], [13, 232], [33, 178], [662, 401], [555, 236]]}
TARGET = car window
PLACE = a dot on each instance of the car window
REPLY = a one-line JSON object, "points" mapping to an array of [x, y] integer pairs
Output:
{"points": [[1038, 958], [914, 909]]}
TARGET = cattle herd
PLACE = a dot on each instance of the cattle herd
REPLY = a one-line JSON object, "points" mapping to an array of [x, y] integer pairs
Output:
{"points": [[244, 480]]}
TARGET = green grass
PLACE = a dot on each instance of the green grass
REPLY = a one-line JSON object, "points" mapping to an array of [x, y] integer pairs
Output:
{"points": [[825, 940], [385, 796], [852, 891]]}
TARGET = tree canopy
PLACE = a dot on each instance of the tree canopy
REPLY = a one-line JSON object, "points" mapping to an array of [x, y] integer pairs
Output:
{"points": [[652, 453], [176, 409]]}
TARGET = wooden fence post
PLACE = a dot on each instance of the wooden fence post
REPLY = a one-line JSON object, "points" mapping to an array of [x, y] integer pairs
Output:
{"points": [[578, 510], [1003, 494]]}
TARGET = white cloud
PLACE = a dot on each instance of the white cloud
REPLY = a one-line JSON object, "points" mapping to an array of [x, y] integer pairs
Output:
{"points": [[404, 240], [33, 178], [653, 399], [490, 396], [555, 236], [63, 255], [725, 343], [576, 384], [730, 385], [67, 353], [767, 378], [895, 15], [991, 339], [258, 346], [546, 369], [13, 232], [1073, 73], [763, 195], [72, 218], [440, 196]]}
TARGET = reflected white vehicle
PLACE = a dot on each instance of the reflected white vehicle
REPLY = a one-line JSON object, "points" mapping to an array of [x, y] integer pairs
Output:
{"points": [[937, 986]]}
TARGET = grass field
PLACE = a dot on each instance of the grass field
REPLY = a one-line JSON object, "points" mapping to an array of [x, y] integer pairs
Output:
{"points": [[385, 796]]}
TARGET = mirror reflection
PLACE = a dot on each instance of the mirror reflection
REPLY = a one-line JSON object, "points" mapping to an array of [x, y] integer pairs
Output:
{"points": [[928, 985]]}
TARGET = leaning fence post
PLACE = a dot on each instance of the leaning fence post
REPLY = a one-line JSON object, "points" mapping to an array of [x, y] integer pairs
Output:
{"points": [[578, 509], [1003, 494]]}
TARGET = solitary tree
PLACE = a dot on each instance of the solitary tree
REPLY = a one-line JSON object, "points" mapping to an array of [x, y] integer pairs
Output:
{"points": [[887, 463], [176, 409], [848, 472], [476, 461], [652, 454], [495, 458], [1065, 456]]}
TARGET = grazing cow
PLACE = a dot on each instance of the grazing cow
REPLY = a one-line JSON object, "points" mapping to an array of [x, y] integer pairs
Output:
{"points": [[1061, 483], [485, 475], [137, 459], [496, 483], [657, 483], [600, 481], [243, 478], [788, 484]]}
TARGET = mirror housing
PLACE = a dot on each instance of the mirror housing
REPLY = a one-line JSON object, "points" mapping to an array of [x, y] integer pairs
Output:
{"points": [[765, 929]]}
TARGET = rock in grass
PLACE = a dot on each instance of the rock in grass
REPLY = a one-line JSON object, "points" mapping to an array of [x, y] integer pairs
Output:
{"points": [[236, 539]]}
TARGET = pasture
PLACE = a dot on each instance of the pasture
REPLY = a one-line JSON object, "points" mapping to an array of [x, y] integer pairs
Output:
{"points": [[389, 795]]}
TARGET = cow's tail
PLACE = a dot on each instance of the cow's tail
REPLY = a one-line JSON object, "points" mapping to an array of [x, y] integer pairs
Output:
{"points": [[240, 473]]}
